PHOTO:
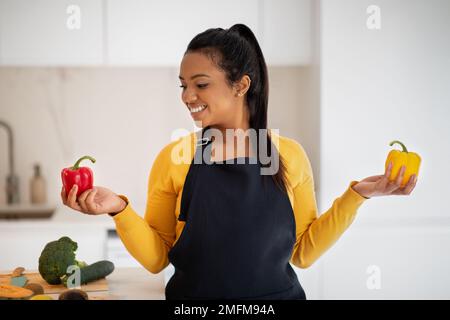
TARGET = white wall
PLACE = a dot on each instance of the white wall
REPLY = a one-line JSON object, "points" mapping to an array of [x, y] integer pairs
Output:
{"points": [[378, 86]]}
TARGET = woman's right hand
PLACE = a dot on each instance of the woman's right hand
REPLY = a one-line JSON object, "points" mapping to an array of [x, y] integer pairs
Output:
{"points": [[95, 201]]}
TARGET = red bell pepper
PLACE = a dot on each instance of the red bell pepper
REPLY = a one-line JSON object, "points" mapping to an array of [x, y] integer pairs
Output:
{"points": [[83, 177]]}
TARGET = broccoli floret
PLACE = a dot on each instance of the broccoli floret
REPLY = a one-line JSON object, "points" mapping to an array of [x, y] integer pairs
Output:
{"points": [[56, 257]]}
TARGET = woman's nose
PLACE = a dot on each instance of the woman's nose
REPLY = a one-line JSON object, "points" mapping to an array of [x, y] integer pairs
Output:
{"points": [[189, 96]]}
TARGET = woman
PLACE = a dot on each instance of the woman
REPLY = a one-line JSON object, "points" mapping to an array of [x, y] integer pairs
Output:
{"points": [[229, 230]]}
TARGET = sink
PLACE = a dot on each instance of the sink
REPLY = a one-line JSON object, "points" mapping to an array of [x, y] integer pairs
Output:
{"points": [[26, 211]]}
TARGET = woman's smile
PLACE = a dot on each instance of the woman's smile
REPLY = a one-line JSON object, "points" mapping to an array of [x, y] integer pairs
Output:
{"points": [[196, 111]]}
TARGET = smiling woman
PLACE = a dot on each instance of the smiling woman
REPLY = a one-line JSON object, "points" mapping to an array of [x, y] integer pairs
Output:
{"points": [[225, 86], [235, 230], [230, 231]]}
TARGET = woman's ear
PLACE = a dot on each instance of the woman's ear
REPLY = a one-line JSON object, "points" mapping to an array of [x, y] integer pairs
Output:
{"points": [[243, 85]]}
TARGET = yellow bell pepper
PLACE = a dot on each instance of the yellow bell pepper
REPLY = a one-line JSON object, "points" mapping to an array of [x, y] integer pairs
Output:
{"points": [[41, 297], [399, 158]]}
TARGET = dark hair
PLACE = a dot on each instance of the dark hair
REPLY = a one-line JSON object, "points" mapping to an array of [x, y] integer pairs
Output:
{"points": [[236, 52]]}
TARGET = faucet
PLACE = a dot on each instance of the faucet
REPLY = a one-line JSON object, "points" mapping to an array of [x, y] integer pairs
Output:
{"points": [[12, 180]]}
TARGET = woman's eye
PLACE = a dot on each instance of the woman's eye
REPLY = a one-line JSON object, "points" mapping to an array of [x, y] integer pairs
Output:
{"points": [[199, 86]]}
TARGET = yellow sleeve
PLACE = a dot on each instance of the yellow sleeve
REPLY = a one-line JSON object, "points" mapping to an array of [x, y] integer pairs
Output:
{"points": [[149, 239], [315, 235]]}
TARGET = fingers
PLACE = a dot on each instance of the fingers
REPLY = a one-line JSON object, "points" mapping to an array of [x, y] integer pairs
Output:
{"points": [[387, 174], [72, 198], [408, 188], [411, 184], [392, 186], [90, 204], [86, 201], [373, 178], [63, 195], [82, 200], [399, 179], [384, 184]]}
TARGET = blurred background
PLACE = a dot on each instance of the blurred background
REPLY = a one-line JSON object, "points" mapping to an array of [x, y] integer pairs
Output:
{"points": [[100, 77]]}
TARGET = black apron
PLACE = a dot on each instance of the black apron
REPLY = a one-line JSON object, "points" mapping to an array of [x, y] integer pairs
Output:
{"points": [[238, 237]]}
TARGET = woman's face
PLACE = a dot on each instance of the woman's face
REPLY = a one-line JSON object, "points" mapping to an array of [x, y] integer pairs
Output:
{"points": [[205, 85]]}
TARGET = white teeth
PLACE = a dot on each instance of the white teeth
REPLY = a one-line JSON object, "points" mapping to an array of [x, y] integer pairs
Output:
{"points": [[198, 109]]}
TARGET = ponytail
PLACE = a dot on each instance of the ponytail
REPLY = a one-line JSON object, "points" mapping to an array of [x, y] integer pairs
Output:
{"points": [[240, 54]]}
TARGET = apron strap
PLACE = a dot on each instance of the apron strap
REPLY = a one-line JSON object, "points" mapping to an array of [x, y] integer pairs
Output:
{"points": [[203, 141]]}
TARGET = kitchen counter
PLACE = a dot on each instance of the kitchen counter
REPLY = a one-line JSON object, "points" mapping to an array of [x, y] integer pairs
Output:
{"points": [[62, 217], [135, 284], [128, 284]]}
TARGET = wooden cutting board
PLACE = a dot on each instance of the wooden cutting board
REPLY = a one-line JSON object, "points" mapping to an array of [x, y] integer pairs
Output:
{"points": [[35, 277]]}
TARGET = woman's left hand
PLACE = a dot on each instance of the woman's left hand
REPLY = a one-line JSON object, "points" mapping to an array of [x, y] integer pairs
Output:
{"points": [[376, 186]]}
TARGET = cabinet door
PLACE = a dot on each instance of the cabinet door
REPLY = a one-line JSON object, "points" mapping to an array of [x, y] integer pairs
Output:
{"points": [[146, 32], [286, 31], [38, 32]]}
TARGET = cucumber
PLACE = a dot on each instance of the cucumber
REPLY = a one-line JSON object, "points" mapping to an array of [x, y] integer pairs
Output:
{"points": [[96, 271]]}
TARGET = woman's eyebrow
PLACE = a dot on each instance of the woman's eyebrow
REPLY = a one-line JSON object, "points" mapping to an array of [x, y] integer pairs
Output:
{"points": [[195, 76]]}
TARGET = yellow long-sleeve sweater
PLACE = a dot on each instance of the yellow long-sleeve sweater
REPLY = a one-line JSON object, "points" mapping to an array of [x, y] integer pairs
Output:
{"points": [[149, 239]]}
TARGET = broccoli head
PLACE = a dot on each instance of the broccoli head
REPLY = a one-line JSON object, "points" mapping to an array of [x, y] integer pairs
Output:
{"points": [[56, 257]]}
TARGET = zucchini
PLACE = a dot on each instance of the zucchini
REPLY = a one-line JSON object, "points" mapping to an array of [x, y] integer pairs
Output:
{"points": [[96, 271], [91, 272]]}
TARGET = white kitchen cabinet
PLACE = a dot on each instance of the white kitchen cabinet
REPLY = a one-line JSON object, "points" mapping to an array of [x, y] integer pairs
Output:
{"points": [[36, 33], [22, 246], [286, 31], [22, 240], [146, 32], [157, 33]]}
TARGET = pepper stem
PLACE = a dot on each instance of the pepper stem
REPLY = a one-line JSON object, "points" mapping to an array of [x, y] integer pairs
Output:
{"points": [[77, 164], [403, 146]]}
